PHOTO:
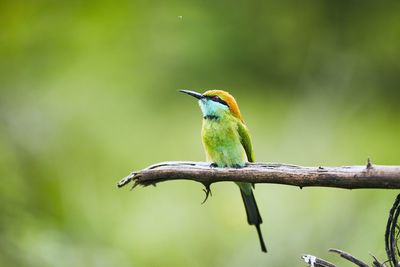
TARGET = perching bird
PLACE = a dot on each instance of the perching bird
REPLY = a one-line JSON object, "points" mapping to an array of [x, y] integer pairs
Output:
{"points": [[227, 143]]}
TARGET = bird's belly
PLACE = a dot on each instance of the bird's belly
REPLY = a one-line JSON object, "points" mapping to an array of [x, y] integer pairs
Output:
{"points": [[223, 145]]}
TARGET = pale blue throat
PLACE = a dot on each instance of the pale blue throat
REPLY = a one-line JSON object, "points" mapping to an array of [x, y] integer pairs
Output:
{"points": [[212, 108]]}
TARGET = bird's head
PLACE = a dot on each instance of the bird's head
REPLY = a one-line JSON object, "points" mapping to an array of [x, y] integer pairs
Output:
{"points": [[216, 103]]}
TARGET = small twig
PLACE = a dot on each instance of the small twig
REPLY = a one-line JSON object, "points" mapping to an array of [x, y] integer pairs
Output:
{"points": [[369, 164], [349, 177], [126, 180], [349, 257], [377, 263]]}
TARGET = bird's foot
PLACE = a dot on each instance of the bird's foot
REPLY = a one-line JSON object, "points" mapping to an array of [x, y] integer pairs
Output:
{"points": [[213, 165], [208, 192], [237, 166]]}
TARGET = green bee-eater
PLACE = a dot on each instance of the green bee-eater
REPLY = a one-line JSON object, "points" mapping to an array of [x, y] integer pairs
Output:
{"points": [[226, 141]]}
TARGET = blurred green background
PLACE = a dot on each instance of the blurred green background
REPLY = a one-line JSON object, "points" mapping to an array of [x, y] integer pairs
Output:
{"points": [[88, 93]]}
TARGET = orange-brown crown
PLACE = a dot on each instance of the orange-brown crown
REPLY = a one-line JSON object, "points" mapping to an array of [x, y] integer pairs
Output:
{"points": [[229, 99]]}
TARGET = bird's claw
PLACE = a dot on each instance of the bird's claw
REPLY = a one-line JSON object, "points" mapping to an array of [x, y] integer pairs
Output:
{"points": [[208, 192], [213, 165], [237, 166]]}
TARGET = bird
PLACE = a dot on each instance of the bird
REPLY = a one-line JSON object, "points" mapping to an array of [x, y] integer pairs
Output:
{"points": [[226, 141]]}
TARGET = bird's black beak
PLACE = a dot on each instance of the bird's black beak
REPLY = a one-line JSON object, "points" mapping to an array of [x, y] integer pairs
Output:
{"points": [[192, 93]]}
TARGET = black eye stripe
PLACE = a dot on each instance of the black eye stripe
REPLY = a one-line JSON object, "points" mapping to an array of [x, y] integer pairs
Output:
{"points": [[217, 99]]}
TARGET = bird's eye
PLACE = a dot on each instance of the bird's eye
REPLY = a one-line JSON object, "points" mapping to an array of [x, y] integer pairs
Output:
{"points": [[219, 100]]}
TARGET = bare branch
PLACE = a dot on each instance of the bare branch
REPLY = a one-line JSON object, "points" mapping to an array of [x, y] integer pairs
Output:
{"points": [[349, 177], [316, 262], [376, 263], [349, 257]]}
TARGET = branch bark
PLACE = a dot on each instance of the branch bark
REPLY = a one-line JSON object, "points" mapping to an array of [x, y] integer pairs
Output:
{"points": [[348, 177], [349, 257], [316, 262]]}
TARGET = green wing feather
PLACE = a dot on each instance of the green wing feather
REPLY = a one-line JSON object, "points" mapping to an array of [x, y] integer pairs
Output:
{"points": [[245, 140]]}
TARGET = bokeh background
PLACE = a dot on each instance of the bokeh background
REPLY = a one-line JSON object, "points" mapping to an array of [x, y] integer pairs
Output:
{"points": [[89, 93]]}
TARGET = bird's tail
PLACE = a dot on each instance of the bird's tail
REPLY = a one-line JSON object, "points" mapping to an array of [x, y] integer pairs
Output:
{"points": [[253, 215]]}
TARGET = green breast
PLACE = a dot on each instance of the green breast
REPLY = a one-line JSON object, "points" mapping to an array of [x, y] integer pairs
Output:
{"points": [[222, 142]]}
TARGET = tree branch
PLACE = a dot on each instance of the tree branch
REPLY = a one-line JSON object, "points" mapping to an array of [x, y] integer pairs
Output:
{"points": [[349, 177], [349, 257], [316, 262]]}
